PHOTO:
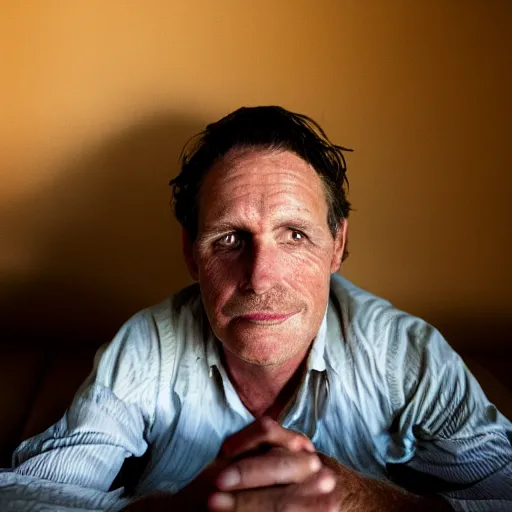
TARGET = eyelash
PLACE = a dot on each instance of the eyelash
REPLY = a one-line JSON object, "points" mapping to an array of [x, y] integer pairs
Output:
{"points": [[299, 232], [240, 240], [219, 243]]}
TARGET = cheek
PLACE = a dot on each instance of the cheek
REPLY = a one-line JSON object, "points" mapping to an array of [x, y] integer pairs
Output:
{"points": [[312, 266], [308, 275], [313, 262], [218, 281]]}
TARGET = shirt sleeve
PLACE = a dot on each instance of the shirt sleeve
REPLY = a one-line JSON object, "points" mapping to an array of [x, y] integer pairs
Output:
{"points": [[75, 461], [452, 440]]}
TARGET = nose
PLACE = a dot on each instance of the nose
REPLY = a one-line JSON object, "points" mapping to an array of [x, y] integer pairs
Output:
{"points": [[263, 268]]}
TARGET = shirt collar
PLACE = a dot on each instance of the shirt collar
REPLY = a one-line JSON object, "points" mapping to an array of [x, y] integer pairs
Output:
{"points": [[316, 359], [213, 354]]}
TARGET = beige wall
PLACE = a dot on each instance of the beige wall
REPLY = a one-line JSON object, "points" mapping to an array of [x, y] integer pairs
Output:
{"points": [[98, 97]]}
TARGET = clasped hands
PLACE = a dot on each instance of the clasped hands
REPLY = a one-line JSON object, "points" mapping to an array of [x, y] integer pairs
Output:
{"points": [[265, 467]]}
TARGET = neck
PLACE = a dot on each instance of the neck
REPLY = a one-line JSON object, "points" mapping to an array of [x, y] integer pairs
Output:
{"points": [[266, 390]]}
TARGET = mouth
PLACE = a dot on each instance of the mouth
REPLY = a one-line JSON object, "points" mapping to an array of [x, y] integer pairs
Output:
{"points": [[266, 318]]}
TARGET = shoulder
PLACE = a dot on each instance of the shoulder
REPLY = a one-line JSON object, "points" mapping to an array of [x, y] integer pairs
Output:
{"points": [[177, 315], [397, 349], [378, 322], [400, 342], [361, 311], [150, 339]]}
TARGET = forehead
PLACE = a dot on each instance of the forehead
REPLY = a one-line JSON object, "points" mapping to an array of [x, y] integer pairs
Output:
{"points": [[261, 178]]}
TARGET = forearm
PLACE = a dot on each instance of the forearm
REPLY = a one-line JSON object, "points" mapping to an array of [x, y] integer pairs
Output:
{"points": [[27, 493], [361, 494], [373, 496]]}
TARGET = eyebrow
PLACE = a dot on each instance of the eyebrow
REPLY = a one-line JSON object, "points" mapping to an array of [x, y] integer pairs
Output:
{"points": [[222, 227], [211, 231]]}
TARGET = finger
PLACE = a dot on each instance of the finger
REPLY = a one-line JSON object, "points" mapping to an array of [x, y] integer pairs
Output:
{"points": [[277, 498], [261, 500], [277, 466], [262, 432], [322, 482], [221, 502]]}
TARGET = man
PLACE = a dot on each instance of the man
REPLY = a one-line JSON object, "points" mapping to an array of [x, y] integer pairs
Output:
{"points": [[272, 384]]}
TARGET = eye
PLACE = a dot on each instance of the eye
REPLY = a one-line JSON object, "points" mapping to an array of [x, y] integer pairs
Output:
{"points": [[229, 241], [296, 235]]}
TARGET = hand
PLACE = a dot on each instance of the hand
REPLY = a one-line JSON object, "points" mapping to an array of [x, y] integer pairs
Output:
{"points": [[276, 480], [272, 468], [262, 455], [264, 433], [278, 469], [266, 458]]}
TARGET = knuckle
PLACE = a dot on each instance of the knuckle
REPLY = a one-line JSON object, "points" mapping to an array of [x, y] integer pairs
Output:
{"points": [[313, 461], [326, 484], [267, 425], [302, 437], [243, 474], [296, 441]]}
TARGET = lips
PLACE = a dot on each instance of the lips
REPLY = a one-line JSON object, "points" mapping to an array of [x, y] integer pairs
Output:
{"points": [[266, 317]]}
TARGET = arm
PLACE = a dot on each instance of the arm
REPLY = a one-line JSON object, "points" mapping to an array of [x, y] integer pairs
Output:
{"points": [[358, 493], [454, 442], [77, 459]]}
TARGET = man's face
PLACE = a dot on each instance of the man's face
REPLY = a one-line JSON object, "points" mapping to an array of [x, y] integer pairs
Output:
{"points": [[264, 254]]}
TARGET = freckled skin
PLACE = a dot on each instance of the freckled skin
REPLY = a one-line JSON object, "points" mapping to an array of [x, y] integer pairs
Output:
{"points": [[264, 245]]}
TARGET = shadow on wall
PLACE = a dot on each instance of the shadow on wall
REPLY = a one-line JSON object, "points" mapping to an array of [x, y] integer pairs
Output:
{"points": [[480, 338], [104, 242]]}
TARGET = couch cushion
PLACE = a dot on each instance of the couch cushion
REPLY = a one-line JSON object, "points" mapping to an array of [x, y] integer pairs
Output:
{"points": [[63, 376], [21, 370], [489, 371]]}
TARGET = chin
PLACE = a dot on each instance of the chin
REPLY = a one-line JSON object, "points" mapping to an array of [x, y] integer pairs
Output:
{"points": [[259, 360], [264, 351]]}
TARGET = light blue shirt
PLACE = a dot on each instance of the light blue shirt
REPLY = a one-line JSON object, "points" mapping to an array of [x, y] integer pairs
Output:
{"points": [[384, 394]]}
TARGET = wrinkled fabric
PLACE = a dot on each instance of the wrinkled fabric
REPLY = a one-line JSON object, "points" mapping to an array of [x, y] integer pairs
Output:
{"points": [[383, 394]]}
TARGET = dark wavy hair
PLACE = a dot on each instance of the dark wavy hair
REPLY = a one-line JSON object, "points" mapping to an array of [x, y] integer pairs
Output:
{"points": [[269, 127]]}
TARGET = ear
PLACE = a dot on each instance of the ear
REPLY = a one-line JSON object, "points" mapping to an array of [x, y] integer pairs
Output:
{"points": [[187, 247], [340, 243]]}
